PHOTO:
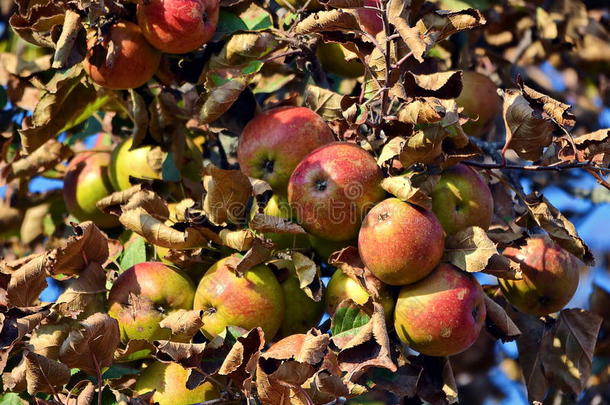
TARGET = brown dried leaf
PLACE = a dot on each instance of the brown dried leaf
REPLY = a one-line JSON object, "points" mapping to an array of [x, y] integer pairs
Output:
{"points": [[370, 347], [308, 274], [15, 324], [85, 295], [88, 245], [44, 375], [28, 280], [183, 324], [44, 158], [47, 339], [240, 362], [331, 20], [65, 46], [219, 99], [557, 110], [268, 223], [409, 187], [111, 203], [258, 253], [240, 240], [349, 262], [559, 228], [133, 346], [470, 249], [421, 111], [91, 346], [14, 380], [228, 192], [424, 146], [436, 383], [328, 104], [592, 144], [498, 323], [567, 350], [444, 85], [528, 132]]}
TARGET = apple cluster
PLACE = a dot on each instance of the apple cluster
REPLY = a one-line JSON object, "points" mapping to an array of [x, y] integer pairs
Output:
{"points": [[128, 54]]}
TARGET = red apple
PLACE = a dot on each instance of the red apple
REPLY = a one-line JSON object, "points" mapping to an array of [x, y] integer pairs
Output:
{"points": [[178, 26], [85, 183], [145, 294], [442, 314], [462, 199], [400, 243], [168, 380], [341, 287], [250, 300], [275, 141], [479, 99], [550, 277], [332, 188], [131, 62]]}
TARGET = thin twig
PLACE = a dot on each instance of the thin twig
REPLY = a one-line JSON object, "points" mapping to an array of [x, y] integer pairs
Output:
{"points": [[536, 168]]}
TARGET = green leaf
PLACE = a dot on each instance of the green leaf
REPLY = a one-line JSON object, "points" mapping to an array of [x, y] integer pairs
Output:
{"points": [[348, 319], [254, 18], [118, 371], [10, 398], [134, 254]]}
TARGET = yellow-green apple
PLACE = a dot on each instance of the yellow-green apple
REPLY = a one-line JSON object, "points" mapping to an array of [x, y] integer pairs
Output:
{"points": [[131, 60], [252, 299], [400, 243], [178, 26], [168, 380], [144, 295], [341, 287], [336, 58], [278, 206], [550, 277], [332, 189], [442, 314], [145, 163], [302, 313], [462, 199], [479, 98], [85, 183], [274, 142]]}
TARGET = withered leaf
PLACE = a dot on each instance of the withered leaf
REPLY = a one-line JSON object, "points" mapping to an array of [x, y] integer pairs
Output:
{"points": [[227, 195], [219, 99], [469, 249], [268, 223], [528, 132], [44, 158], [592, 144], [183, 324], [567, 350], [409, 187], [132, 347], [369, 347], [88, 245], [111, 203], [421, 111], [331, 20], [444, 85], [349, 262], [240, 362], [16, 323], [424, 146], [85, 295], [14, 380], [47, 339], [559, 228], [328, 104], [240, 240], [436, 383], [91, 345], [498, 323], [257, 254], [44, 375], [557, 110], [308, 274], [65, 47], [27, 280]]}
